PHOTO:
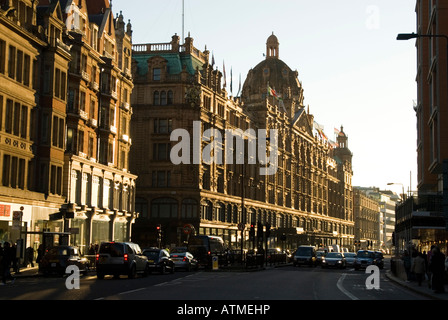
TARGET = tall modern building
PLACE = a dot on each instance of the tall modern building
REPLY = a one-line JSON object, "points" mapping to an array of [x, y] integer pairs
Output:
{"points": [[65, 123], [420, 220], [182, 108]]}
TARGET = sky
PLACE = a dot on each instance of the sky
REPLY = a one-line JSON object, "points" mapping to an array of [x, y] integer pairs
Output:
{"points": [[353, 70]]}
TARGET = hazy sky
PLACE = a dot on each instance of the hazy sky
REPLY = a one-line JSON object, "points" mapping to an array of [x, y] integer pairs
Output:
{"points": [[354, 71]]}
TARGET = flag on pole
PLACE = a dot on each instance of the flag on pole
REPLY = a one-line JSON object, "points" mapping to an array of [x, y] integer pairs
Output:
{"points": [[239, 87], [231, 81], [336, 131], [272, 92], [224, 71]]}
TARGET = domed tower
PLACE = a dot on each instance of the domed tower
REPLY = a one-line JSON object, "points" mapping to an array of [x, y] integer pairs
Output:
{"points": [[272, 46], [342, 151], [275, 74]]}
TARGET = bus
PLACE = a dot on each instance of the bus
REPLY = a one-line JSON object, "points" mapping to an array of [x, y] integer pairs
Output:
{"points": [[205, 247]]}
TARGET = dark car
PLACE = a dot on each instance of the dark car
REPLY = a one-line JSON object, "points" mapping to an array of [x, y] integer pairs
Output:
{"points": [[57, 259], [159, 260], [350, 258], [379, 259], [120, 258], [319, 256], [305, 255], [364, 258]]}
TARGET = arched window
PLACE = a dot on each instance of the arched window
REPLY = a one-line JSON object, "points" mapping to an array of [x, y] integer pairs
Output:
{"points": [[164, 208], [189, 208], [156, 100], [170, 98], [163, 98]]}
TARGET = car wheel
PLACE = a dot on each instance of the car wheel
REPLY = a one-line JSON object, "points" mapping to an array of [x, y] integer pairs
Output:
{"points": [[146, 272], [132, 272]]}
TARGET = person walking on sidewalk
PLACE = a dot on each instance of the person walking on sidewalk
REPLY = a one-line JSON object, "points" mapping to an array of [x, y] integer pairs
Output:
{"points": [[6, 263], [30, 256], [418, 268], [437, 268]]}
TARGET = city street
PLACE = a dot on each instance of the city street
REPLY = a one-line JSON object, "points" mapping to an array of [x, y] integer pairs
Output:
{"points": [[275, 283]]}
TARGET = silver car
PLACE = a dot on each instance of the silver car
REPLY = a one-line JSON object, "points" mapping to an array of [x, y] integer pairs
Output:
{"points": [[184, 260], [334, 259]]}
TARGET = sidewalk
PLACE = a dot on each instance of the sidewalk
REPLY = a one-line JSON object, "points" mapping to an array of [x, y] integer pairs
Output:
{"points": [[27, 272], [423, 289]]}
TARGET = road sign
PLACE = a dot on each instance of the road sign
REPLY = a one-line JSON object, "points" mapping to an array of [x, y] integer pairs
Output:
{"points": [[188, 228]]}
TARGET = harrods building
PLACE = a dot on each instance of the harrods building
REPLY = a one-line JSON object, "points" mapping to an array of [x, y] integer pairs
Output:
{"points": [[309, 199]]}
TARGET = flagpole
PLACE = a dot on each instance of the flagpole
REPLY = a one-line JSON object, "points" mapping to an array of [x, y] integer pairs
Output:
{"points": [[183, 21]]}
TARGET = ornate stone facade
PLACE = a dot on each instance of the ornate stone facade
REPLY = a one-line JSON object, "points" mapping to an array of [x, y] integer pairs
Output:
{"points": [[65, 113], [308, 200]]}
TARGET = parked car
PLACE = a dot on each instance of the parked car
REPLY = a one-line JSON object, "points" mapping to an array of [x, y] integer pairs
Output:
{"points": [[57, 259], [334, 259], [379, 259], [184, 260], [305, 255], [120, 258], [364, 258], [159, 260], [350, 258]]}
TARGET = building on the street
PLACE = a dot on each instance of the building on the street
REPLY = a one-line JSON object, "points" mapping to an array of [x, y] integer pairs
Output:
{"points": [[420, 219], [65, 122], [31, 151], [368, 220], [179, 96], [387, 201]]}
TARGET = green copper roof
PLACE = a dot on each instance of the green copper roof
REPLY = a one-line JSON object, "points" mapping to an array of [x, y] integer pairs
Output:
{"points": [[175, 62]]}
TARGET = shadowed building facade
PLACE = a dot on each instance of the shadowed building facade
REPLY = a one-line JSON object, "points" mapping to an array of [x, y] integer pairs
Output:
{"points": [[308, 199]]}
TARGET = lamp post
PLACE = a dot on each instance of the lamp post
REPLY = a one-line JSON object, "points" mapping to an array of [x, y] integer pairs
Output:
{"points": [[402, 186]]}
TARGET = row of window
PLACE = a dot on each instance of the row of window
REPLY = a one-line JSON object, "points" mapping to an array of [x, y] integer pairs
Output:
{"points": [[14, 117], [168, 208], [15, 63], [100, 192]]}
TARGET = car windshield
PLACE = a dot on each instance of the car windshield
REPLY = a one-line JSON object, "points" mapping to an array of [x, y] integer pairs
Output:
{"points": [[304, 251], [113, 249], [350, 255], [151, 254], [333, 255], [365, 254]]}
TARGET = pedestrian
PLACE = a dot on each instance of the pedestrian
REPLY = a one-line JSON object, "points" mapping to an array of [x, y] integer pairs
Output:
{"points": [[407, 265], [418, 268], [30, 256], [437, 267], [6, 263]]}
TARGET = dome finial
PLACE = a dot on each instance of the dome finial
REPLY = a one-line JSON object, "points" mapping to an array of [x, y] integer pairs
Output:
{"points": [[272, 47]]}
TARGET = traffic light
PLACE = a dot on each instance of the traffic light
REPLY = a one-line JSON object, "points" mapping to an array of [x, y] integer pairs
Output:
{"points": [[252, 232], [159, 233]]}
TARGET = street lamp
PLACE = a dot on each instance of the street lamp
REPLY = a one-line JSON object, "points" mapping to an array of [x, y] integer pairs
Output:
{"points": [[402, 186]]}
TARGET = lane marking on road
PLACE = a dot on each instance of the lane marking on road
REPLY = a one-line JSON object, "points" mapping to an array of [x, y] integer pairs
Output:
{"points": [[131, 291], [341, 287]]}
